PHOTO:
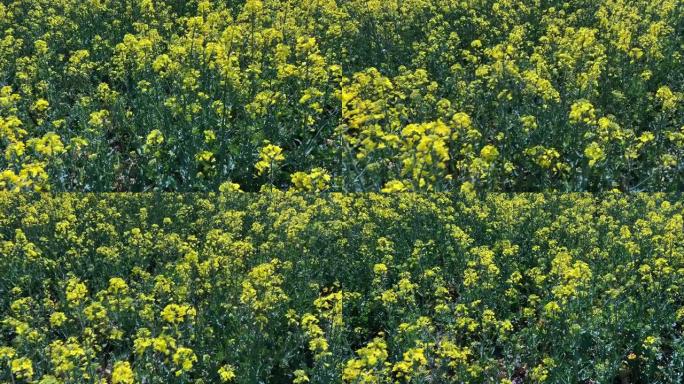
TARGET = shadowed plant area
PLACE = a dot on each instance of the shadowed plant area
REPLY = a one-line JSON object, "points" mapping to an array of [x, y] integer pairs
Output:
{"points": [[367, 288], [358, 95]]}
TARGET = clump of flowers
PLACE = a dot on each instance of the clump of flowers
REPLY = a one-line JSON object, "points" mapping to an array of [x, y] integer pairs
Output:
{"points": [[269, 156]]}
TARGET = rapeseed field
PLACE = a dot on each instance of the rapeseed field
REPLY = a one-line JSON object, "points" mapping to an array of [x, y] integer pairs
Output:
{"points": [[341, 191], [391, 95], [339, 288]]}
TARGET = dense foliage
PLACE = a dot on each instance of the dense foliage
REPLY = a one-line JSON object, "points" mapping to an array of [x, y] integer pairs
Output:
{"points": [[285, 288], [357, 95]]}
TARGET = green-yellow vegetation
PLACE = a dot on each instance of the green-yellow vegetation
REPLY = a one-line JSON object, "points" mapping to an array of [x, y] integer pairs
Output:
{"points": [[355, 95], [365, 288]]}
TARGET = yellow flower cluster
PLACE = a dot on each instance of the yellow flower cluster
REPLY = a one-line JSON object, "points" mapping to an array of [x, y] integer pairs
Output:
{"points": [[370, 365], [317, 180], [269, 156], [176, 314], [122, 373], [262, 290]]}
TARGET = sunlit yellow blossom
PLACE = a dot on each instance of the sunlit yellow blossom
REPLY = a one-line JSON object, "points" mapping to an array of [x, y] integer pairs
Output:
{"points": [[315, 181], [176, 314], [57, 319], [379, 269], [154, 138], [41, 105], [582, 111], [594, 153], [184, 358], [76, 291], [300, 377], [414, 360], [370, 358], [228, 186], [226, 373], [22, 368], [667, 98], [122, 373], [395, 186], [489, 153], [269, 155]]}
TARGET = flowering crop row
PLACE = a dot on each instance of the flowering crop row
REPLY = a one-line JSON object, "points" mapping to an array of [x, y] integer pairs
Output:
{"points": [[355, 95], [285, 288]]}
